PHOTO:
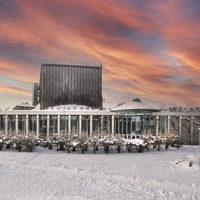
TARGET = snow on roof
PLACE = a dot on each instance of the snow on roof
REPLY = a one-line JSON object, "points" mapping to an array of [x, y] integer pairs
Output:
{"points": [[25, 104], [135, 105], [68, 107]]}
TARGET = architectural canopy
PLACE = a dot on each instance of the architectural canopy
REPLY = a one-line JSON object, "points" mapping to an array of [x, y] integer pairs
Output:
{"points": [[136, 106]]}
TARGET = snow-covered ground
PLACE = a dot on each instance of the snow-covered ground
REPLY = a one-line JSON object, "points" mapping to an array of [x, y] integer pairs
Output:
{"points": [[48, 174]]}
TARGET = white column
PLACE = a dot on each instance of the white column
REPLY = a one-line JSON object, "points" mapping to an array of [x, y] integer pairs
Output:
{"points": [[37, 126], [131, 127], [48, 123], [127, 127], [168, 124], [122, 126], [180, 126], [192, 130], [58, 125], [157, 125], [69, 126], [113, 125], [102, 132], [165, 121], [16, 124], [80, 126], [6, 126], [91, 126], [119, 134], [199, 136], [26, 124]]}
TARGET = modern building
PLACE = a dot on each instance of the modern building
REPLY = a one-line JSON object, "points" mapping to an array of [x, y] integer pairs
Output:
{"points": [[36, 90], [70, 84], [70, 103]]}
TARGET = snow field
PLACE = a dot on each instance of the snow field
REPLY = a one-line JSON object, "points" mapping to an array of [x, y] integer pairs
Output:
{"points": [[47, 175]]}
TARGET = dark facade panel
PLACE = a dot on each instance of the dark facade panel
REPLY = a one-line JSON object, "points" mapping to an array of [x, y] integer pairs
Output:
{"points": [[35, 94], [68, 84]]}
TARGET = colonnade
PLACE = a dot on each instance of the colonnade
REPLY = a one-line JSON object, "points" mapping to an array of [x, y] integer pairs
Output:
{"points": [[123, 128], [69, 131]]}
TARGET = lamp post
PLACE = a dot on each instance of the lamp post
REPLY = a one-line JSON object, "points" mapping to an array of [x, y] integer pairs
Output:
{"points": [[199, 135]]}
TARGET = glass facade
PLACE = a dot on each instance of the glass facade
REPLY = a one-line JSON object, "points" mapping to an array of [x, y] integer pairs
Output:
{"points": [[127, 126], [64, 119], [186, 129], [96, 125], [116, 124], [85, 122], [11, 124], [2, 124], [196, 130], [152, 124], [107, 124], [43, 125], [32, 123], [22, 124], [162, 124], [53, 125], [174, 124], [75, 125]]}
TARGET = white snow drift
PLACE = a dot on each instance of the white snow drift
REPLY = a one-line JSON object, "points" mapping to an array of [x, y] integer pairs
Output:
{"points": [[48, 174]]}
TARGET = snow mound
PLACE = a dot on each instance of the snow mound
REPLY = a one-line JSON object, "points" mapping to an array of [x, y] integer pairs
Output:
{"points": [[54, 175], [189, 162]]}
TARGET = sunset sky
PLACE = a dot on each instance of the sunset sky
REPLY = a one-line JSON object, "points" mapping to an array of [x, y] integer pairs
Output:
{"points": [[149, 49]]}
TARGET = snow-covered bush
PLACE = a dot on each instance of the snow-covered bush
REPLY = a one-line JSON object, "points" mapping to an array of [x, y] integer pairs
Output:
{"points": [[1, 143], [20, 140], [111, 141], [138, 144]]}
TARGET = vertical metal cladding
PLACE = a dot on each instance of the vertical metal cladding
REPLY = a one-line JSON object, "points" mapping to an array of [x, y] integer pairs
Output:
{"points": [[35, 94], [70, 84]]}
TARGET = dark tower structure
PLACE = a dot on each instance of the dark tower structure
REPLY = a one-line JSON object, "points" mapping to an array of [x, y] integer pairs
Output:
{"points": [[70, 84], [35, 94]]}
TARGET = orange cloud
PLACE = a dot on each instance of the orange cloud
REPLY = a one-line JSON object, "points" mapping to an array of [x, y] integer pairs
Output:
{"points": [[18, 71], [148, 50], [14, 90]]}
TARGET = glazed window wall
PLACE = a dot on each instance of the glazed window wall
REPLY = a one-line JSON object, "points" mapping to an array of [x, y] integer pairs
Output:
{"points": [[136, 126], [174, 124], [43, 125], [22, 124], [74, 124], [148, 125], [53, 123], [152, 124], [116, 125], [64, 124], [127, 126], [96, 125], [196, 130], [145, 125], [32, 120], [186, 129], [85, 123], [2, 124], [11, 124], [162, 126], [107, 123], [120, 125]]}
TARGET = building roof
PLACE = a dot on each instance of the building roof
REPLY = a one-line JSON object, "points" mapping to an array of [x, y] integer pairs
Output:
{"points": [[23, 106], [136, 104], [68, 107]]}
